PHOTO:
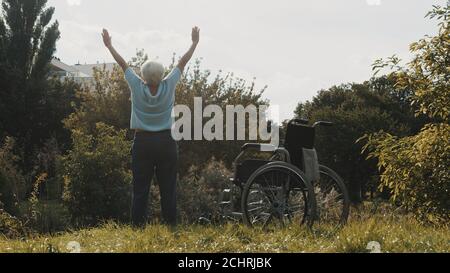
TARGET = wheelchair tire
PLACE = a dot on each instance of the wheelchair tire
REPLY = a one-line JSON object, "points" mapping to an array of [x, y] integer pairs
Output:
{"points": [[333, 202], [278, 191]]}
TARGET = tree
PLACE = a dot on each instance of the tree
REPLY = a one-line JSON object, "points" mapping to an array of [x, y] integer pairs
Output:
{"points": [[414, 169], [221, 90], [32, 105], [357, 109], [427, 76]]}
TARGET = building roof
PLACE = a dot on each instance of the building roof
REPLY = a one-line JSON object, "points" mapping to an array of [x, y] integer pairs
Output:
{"points": [[88, 69], [78, 70], [60, 66]]}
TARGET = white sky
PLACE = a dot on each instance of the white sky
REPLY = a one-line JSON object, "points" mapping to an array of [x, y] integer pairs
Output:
{"points": [[296, 47]]}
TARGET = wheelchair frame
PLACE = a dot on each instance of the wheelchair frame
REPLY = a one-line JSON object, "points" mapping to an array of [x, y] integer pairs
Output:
{"points": [[305, 167]]}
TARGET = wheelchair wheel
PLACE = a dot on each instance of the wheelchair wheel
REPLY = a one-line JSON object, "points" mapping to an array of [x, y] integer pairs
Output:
{"points": [[278, 194], [333, 203]]}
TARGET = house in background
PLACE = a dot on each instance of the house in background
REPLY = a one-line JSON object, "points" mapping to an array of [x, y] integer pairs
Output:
{"points": [[83, 74]]}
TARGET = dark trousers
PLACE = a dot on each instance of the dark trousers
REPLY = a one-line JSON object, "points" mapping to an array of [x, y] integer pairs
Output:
{"points": [[154, 153]]}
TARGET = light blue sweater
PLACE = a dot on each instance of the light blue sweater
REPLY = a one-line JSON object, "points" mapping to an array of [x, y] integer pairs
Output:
{"points": [[148, 112]]}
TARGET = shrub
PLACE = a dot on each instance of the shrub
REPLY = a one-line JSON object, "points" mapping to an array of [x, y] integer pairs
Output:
{"points": [[415, 170], [46, 161], [96, 175], [10, 226], [12, 181], [46, 216], [43, 216], [199, 191]]}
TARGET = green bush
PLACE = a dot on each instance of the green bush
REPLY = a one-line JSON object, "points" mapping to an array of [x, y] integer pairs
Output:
{"points": [[12, 181], [43, 216], [96, 176], [10, 226], [198, 193], [46, 216], [45, 163], [415, 170]]}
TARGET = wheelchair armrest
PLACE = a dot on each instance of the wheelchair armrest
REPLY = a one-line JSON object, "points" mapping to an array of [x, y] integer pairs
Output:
{"points": [[264, 148], [259, 146]]}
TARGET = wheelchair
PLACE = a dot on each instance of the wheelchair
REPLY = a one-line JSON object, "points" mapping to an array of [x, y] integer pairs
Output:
{"points": [[288, 186]]}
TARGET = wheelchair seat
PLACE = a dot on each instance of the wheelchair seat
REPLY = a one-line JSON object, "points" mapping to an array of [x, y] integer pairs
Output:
{"points": [[245, 169]]}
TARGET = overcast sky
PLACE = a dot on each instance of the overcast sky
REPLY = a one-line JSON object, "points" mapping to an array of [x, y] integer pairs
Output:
{"points": [[296, 47]]}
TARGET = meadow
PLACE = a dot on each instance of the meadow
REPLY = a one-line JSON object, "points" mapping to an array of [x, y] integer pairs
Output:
{"points": [[395, 232]]}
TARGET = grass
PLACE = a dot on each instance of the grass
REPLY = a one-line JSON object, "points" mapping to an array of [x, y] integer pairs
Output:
{"points": [[395, 234]]}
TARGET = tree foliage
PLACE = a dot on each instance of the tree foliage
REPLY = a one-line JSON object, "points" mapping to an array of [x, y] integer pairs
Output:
{"points": [[415, 169], [427, 76], [32, 105], [221, 90], [357, 109]]}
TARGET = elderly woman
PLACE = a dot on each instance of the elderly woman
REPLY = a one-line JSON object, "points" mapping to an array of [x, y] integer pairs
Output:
{"points": [[154, 150]]}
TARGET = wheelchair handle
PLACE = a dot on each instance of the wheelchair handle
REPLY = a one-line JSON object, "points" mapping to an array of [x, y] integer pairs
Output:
{"points": [[305, 122], [323, 123], [299, 120]]}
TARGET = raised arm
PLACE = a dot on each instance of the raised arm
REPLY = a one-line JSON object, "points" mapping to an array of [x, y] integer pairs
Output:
{"points": [[107, 39], [195, 39]]}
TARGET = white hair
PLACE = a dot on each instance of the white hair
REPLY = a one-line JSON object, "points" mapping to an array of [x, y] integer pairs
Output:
{"points": [[152, 72]]}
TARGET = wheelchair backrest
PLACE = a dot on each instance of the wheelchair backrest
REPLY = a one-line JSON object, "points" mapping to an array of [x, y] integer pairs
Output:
{"points": [[298, 137]]}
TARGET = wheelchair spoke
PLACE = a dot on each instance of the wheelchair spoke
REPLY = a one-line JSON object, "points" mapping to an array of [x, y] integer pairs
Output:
{"points": [[273, 201], [330, 200]]}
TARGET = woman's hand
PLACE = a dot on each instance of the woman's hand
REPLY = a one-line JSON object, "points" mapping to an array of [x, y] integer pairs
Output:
{"points": [[108, 43], [195, 35], [188, 55], [107, 39]]}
